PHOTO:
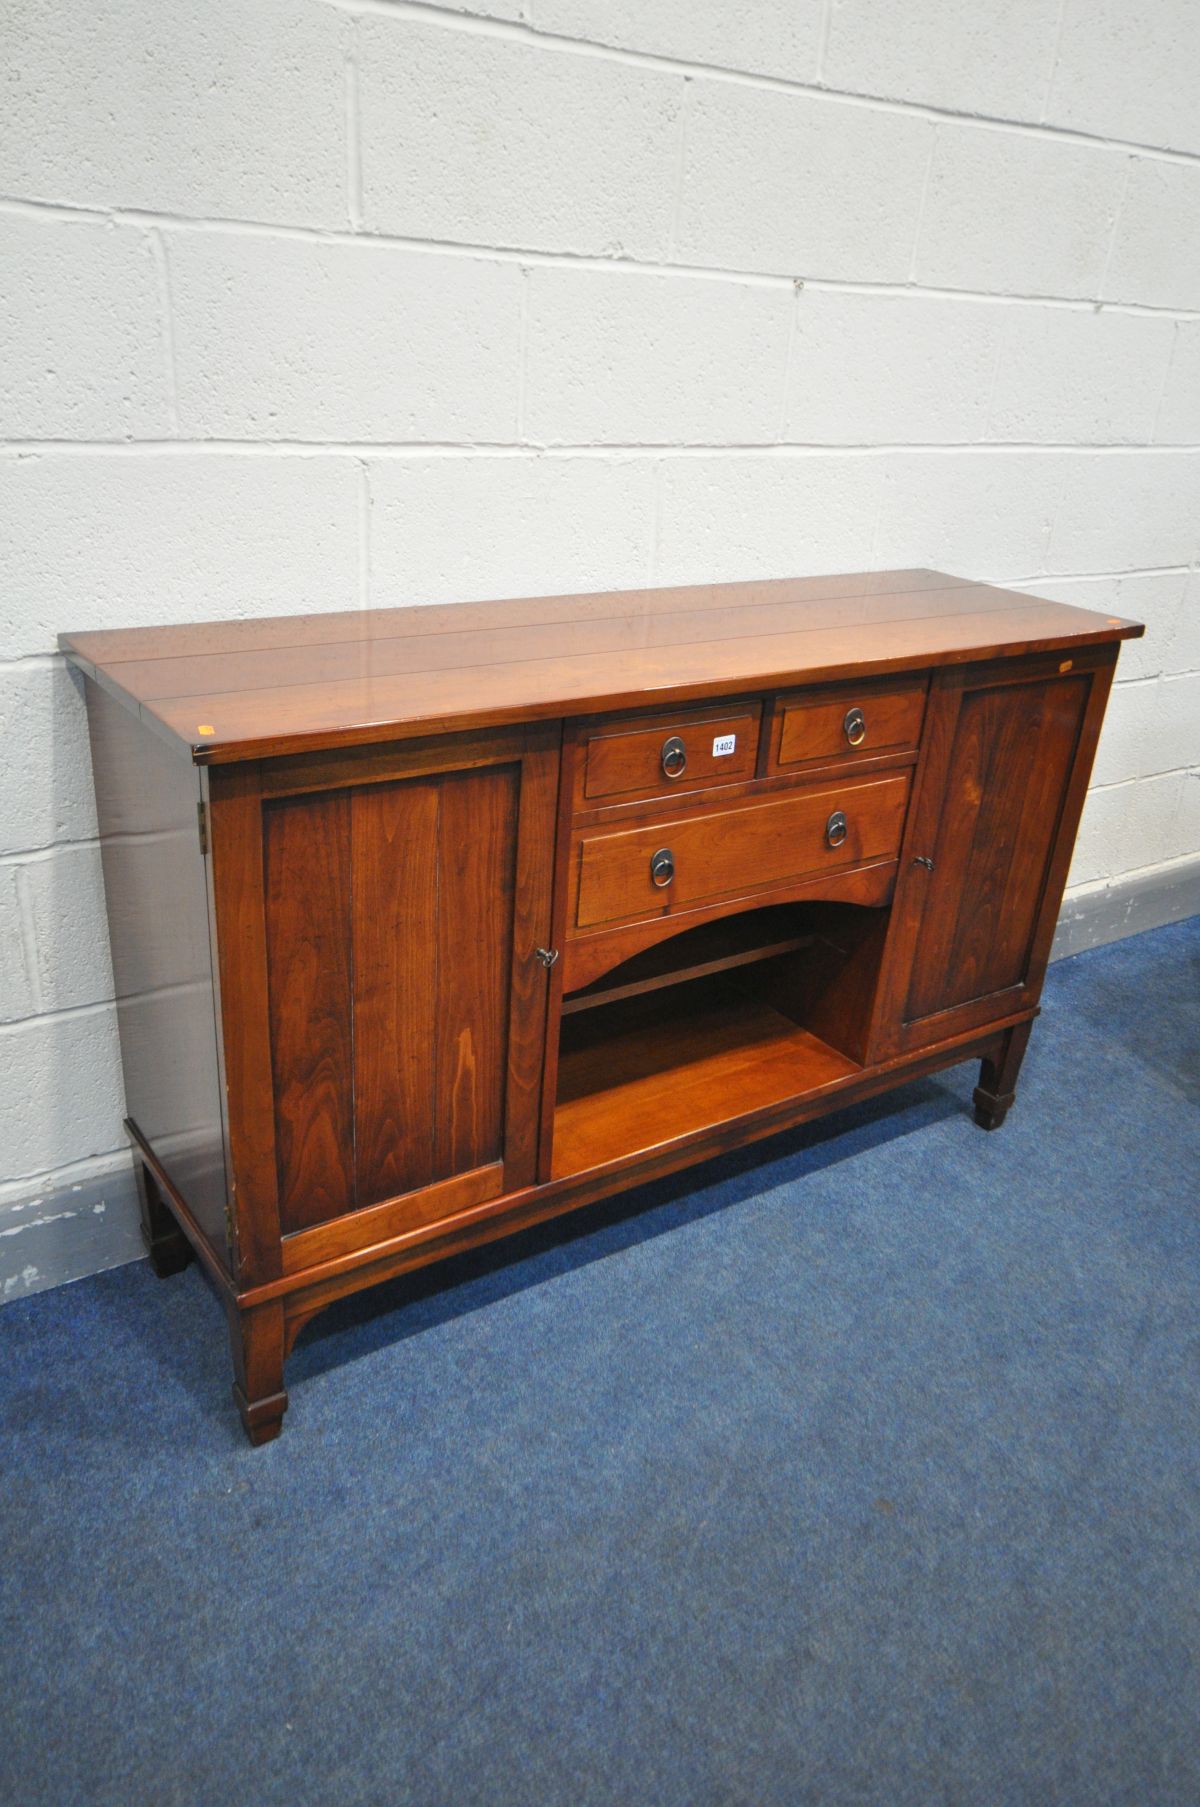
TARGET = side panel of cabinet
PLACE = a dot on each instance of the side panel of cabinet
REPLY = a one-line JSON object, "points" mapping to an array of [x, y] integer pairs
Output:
{"points": [[397, 1014], [156, 897], [1004, 768]]}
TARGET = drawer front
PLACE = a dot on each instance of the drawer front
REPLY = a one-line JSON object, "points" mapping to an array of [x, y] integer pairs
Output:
{"points": [[674, 753], [696, 860], [849, 723]]}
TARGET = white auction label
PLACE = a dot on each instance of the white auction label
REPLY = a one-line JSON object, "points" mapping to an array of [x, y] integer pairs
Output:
{"points": [[724, 743]]}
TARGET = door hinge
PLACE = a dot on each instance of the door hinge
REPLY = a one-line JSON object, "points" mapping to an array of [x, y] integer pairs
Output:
{"points": [[202, 825]]}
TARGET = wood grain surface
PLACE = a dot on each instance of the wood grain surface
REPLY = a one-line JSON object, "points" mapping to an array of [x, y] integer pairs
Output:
{"points": [[236, 690]]}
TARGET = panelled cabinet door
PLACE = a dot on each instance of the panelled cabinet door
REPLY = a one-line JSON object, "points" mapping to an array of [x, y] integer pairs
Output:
{"points": [[1005, 762], [402, 897]]}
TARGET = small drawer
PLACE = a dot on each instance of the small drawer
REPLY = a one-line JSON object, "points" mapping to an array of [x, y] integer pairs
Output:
{"points": [[681, 752], [851, 722], [692, 861]]}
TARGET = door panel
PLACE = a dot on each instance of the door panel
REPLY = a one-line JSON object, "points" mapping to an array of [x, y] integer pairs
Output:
{"points": [[474, 951], [1003, 770], [307, 858], [390, 941], [1010, 760], [395, 980]]}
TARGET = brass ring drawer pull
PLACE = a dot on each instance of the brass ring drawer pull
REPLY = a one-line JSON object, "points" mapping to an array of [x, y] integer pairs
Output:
{"points": [[674, 757], [835, 828], [855, 727], [662, 868]]}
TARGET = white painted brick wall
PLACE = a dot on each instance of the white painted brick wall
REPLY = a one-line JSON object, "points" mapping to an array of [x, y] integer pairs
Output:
{"points": [[1179, 410], [1156, 248], [82, 332], [64, 889], [968, 59], [177, 106], [447, 528], [663, 360], [154, 536], [1129, 72], [1011, 213], [17, 995], [906, 369], [791, 184], [1127, 510], [484, 141], [303, 339], [739, 512], [46, 794], [60, 1090], [1068, 376], [984, 511], [308, 304], [781, 38]]}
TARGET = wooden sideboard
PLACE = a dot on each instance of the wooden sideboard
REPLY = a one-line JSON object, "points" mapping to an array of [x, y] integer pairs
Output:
{"points": [[429, 923]]}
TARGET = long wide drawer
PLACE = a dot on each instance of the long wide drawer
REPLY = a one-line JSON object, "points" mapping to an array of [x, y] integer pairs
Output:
{"points": [[688, 861]]}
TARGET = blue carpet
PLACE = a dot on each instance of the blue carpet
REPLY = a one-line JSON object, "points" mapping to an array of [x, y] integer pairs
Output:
{"points": [[861, 1467]]}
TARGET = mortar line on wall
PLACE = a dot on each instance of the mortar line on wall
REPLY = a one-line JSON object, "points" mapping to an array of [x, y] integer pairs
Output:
{"points": [[1119, 878], [1097, 576], [105, 1007], [1123, 784], [876, 527], [99, 1006], [32, 856], [1166, 383], [1054, 55], [354, 209], [1112, 237], [70, 1173], [997, 359], [35, 661], [475, 25], [680, 168], [364, 534], [522, 352], [28, 933], [916, 249], [655, 519], [1051, 530], [533, 258], [823, 42], [32, 449], [158, 249], [789, 355]]}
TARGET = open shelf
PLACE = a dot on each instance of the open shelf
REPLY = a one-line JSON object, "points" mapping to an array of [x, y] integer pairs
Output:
{"points": [[698, 953], [650, 1069], [727, 1018]]}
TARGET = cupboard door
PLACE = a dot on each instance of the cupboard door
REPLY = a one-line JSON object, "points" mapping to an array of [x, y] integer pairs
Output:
{"points": [[405, 1011], [1004, 768]]}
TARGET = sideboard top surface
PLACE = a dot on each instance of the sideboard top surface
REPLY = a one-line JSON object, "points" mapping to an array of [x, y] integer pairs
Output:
{"points": [[248, 689]]}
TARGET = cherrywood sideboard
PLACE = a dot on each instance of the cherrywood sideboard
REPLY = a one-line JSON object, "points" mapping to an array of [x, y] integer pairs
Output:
{"points": [[428, 923]]}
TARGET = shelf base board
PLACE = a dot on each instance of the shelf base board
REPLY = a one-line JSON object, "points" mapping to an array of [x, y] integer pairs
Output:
{"points": [[653, 1075]]}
